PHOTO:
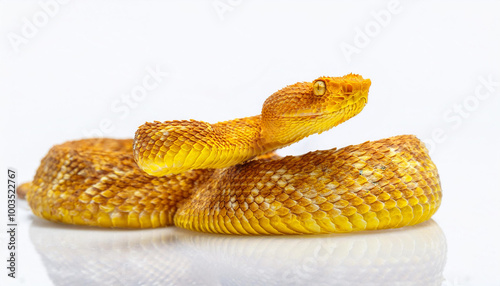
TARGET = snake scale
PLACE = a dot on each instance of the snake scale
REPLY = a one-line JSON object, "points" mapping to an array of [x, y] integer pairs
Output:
{"points": [[225, 177]]}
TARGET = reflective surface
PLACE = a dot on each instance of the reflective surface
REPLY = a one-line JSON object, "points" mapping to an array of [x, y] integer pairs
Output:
{"points": [[81, 256]]}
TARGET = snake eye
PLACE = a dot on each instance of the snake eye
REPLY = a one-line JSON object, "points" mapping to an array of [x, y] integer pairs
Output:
{"points": [[319, 87]]}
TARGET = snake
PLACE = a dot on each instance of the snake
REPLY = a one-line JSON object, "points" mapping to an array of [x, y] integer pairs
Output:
{"points": [[226, 177]]}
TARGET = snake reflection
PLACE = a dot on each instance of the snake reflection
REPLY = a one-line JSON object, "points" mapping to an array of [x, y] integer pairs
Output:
{"points": [[77, 256]]}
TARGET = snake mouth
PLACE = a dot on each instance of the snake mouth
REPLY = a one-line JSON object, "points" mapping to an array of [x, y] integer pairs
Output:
{"points": [[353, 109], [345, 113], [348, 109]]}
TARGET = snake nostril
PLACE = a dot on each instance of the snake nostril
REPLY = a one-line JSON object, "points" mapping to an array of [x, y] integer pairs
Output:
{"points": [[348, 88]]}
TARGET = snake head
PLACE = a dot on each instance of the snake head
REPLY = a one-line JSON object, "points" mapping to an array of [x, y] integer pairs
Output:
{"points": [[305, 108]]}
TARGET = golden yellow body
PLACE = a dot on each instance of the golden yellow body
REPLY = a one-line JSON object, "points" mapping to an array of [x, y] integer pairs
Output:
{"points": [[221, 177]]}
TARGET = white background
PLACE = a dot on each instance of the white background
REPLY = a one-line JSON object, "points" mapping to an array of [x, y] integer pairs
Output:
{"points": [[77, 69]]}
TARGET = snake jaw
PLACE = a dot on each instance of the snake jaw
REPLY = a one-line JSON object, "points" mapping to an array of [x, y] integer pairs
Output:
{"points": [[350, 110]]}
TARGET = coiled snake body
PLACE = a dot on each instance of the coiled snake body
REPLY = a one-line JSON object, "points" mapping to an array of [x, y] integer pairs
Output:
{"points": [[224, 178]]}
